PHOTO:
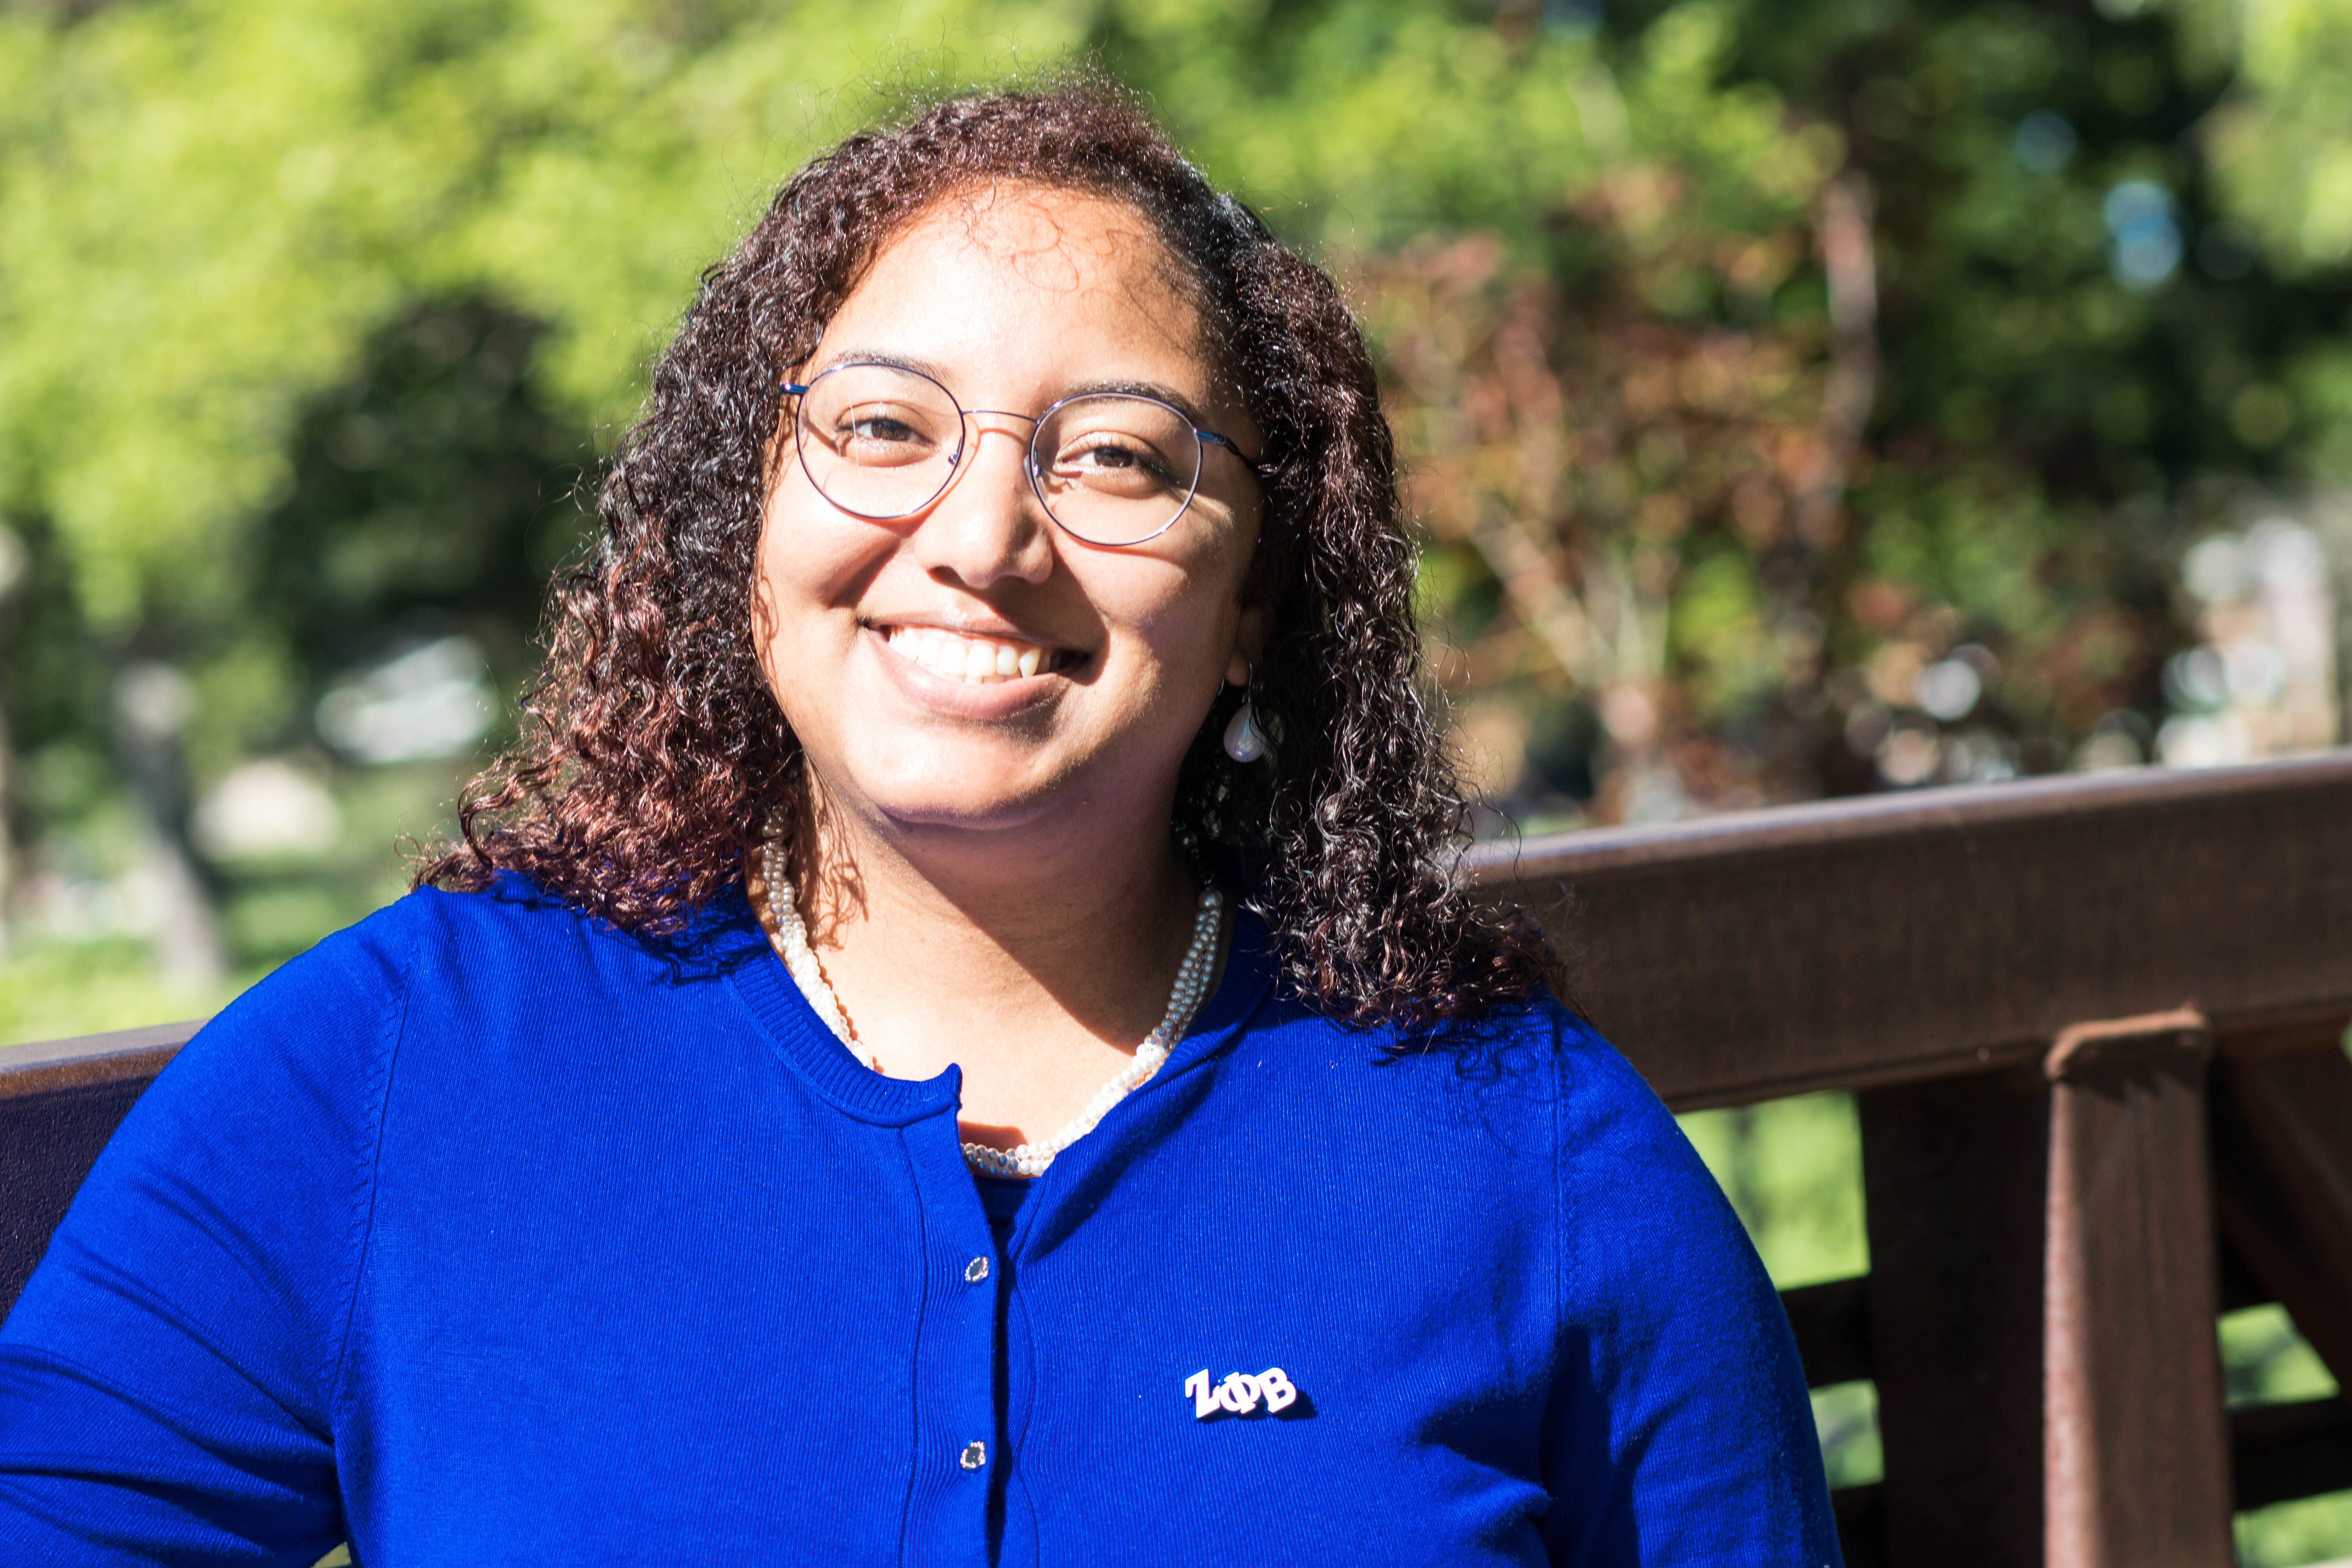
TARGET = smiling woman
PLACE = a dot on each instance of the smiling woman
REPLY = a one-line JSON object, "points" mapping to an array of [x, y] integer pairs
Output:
{"points": [[958, 1037], [893, 626]]}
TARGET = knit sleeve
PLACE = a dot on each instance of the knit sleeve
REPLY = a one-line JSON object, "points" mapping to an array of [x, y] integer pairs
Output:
{"points": [[1679, 1430], [166, 1379]]}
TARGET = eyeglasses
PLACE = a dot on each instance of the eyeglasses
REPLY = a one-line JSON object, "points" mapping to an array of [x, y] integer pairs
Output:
{"points": [[1110, 468]]}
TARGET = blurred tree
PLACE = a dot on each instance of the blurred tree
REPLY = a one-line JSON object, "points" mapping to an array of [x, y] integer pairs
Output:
{"points": [[2077, 361], [432, 493]]}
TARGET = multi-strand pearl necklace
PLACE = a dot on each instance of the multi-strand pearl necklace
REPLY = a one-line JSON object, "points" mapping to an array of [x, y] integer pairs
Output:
{"points": [[791, 944]]}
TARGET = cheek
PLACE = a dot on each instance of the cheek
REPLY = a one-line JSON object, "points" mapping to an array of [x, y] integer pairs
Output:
{"points": [[1181, 629], [1198, 626], [807, 558], [793, 579]]}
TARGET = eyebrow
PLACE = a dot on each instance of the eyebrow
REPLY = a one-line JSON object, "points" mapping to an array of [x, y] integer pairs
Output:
{"points": [[1153, 389], [876, 356], [1167, 394]]}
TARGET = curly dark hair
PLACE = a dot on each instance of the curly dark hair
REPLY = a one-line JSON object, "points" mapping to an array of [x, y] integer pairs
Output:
{"points": [[655, 755]]}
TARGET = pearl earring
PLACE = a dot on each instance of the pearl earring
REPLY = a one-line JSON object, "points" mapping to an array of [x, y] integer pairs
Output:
{"points": [[1244, 741]]}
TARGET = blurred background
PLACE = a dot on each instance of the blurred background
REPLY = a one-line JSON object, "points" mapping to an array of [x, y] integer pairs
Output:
{"points": [[1802, 397]]}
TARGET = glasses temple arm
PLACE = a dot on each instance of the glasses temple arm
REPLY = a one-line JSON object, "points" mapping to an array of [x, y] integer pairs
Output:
{"points": [[1227, 443]]}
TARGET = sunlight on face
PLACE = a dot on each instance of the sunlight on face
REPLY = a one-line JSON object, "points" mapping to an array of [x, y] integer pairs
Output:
{"points": [[972, 665]]}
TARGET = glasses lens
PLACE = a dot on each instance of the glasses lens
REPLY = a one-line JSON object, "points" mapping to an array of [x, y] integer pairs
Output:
{"points": [[1114, 469], [877, 441]]}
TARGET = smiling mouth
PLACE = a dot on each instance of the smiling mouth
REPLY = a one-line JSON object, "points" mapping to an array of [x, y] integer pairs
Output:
{"points": [[975, 660]]}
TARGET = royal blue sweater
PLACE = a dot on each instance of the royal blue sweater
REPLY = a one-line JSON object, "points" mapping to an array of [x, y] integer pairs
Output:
{"points": [[482, 1234]]}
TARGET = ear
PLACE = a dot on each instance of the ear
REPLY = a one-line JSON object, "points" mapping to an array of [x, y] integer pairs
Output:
{"points": [[1250, 633]]}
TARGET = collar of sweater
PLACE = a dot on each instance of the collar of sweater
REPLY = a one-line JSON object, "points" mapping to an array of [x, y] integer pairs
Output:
{"points": [[810, 1049]]}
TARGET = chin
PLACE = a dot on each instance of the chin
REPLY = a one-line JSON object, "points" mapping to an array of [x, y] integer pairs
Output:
{"points": [[964, 814], [948, 790]]}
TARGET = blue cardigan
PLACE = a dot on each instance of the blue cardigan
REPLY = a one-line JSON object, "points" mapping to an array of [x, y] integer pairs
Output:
{"points": [[483, 1234]]}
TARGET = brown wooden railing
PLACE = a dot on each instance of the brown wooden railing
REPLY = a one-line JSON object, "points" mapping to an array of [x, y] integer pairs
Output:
{"points": [[2093, 1028], [58, 1105]]}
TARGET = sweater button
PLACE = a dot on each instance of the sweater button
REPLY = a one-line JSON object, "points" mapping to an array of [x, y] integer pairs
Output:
{"points": [[974, 1455], [975, 1272]]}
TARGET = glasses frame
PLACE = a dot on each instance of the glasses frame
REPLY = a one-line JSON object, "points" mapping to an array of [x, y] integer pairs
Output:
{"points": [[1030, 463]]}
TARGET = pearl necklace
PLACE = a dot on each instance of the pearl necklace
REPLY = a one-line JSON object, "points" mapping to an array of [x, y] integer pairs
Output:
{"points": [[791, 944]]}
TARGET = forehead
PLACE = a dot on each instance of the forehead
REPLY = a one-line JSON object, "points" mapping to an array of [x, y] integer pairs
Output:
{"points": [[1013, 286]]}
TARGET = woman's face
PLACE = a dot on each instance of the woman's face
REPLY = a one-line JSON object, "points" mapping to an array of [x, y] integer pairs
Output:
{"points": [[1013, 298]]}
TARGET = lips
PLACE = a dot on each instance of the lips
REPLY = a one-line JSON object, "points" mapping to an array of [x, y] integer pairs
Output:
{"points": [[972, 659]]}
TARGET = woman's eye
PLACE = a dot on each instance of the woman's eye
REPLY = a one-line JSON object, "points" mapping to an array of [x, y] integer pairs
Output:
{"points": [[883, 437], [1103, 456], [879, 427]]}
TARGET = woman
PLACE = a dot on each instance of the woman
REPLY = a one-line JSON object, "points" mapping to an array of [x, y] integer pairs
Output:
{"points": [[952, 1041]]}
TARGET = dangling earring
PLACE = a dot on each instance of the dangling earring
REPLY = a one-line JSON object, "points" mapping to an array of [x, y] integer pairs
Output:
{"points": [[1244, 741]]}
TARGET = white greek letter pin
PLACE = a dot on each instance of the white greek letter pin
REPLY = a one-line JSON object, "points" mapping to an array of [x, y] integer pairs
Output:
{"points": [[1240, 1394]]}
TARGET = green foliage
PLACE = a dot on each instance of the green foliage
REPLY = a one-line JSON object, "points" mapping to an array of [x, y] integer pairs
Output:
{"points": [[206, 209], [1363, 121], [2282, 140], [88, 967], [2069, 360], [1721, 630], [435, 491], [1845, 1417], [2309, 1530], [2267, 1362]]}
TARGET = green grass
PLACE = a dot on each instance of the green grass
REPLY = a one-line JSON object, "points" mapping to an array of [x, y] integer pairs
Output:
{"points": [[54, 990]]}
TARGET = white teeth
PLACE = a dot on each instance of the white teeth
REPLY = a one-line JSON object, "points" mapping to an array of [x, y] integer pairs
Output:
{"points": [[955, 657]]}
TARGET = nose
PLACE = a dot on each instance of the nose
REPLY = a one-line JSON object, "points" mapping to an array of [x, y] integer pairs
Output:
{"points": [[987, 526]]}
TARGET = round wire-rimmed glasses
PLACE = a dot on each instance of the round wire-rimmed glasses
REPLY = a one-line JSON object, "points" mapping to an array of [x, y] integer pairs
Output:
{"points": [[881, 442]]}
